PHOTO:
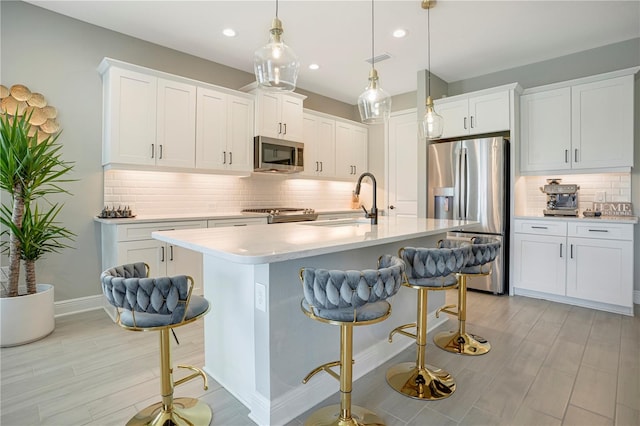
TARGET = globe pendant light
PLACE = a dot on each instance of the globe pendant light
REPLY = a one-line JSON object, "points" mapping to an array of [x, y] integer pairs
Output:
{"points": [[432, 124], [275, 65], [374, 103]]}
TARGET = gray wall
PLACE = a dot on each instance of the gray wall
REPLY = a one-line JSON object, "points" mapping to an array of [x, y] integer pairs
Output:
{"points": [[57, 56]]}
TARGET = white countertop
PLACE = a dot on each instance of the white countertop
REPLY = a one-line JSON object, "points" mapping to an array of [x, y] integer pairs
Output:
{"points": [[261, 244], [201, 216], [601, 219]]}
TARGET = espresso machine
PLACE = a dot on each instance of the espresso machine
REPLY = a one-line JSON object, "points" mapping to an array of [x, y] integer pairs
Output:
{"points": [[562, 199]]}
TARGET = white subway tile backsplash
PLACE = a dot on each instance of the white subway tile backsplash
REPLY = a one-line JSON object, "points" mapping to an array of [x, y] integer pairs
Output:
{"points": [[167, 193]]}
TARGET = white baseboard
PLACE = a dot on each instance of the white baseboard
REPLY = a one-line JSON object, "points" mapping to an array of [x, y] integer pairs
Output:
{"points": [[636, 297], [81, 304]]}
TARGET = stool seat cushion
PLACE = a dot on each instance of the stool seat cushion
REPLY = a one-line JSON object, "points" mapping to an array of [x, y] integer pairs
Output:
{"points": [[197, 306], [366, 312], [434, 267]]}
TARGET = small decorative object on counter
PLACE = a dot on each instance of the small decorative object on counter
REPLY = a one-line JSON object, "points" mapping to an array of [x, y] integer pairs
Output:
{"points": [[591, 213], [614, 209], [113, 213]]}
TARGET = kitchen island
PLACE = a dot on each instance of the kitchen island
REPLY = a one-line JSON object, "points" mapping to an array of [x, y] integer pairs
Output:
{"points": [[258, 343]]}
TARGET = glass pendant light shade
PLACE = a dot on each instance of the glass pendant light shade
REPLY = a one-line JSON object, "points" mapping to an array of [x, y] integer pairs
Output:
{"points": [[276, 65], [432, 124], [374, 103]]}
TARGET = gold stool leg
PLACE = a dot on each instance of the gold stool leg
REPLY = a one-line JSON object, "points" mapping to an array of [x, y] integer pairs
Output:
{"points": [[461, 342], [344, 414], [178, 411], [417, 379]]}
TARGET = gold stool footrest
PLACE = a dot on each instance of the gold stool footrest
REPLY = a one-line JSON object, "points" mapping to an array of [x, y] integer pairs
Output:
{"points": [[464, 344], [185, 412], [327, 368], [330, 415], [400, 330], [197, 373], [429, 383], [447, 310]]}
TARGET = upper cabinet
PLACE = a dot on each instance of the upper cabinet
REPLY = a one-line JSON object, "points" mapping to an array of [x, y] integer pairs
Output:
{"points": [[351, 150], [154, 119], [476, 113], [279, 115], [224, 131], [579, 125]]}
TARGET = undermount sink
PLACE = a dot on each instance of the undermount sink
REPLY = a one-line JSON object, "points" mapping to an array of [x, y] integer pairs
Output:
{"points": [[339, 222]]}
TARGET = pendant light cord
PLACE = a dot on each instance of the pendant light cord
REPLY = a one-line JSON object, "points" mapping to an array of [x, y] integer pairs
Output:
{"points": [[276, 8], [373, 60], [428, 52]]}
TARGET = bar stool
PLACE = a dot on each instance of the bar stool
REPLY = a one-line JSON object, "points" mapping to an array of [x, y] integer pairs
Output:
{"points": [[426, 269], [159, 304], [348, 299], [483, 252]]}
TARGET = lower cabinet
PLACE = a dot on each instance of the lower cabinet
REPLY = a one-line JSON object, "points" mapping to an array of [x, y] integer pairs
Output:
{"points": [[584, 263]]}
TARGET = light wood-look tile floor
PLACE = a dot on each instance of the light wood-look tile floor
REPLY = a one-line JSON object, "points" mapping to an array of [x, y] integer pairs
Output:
{"points": [[550, 364]]}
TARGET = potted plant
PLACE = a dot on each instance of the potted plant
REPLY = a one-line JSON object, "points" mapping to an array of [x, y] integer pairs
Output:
{"points": [[29, 172]]}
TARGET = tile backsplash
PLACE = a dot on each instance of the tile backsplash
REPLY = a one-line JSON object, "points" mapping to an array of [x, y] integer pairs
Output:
{"points": [[164, 193], [531, 201]]}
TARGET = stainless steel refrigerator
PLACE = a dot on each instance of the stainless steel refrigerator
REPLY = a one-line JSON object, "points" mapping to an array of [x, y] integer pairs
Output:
{"points": [[469, 179]]}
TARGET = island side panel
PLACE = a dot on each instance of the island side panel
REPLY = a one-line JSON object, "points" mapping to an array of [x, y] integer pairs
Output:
{"points": [[298, 344]]}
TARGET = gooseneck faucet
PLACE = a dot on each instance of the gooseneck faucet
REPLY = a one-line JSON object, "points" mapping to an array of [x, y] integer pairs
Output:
{"points": [[373, 214]]}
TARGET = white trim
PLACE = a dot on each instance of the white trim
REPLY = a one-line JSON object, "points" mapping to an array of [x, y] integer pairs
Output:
{"points": [[81, 304], [617, 309]]}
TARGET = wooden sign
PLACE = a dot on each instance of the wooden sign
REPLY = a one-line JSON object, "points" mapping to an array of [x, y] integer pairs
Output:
{"points": [[614, 209]]}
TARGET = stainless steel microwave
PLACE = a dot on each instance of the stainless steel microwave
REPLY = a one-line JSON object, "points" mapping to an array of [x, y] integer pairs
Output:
{"points": [[277, 155]]}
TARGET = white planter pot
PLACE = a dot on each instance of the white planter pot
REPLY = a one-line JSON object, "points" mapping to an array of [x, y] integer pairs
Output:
{"points": [[28, 318]]}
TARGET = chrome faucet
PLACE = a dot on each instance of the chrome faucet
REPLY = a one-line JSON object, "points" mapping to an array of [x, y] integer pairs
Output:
{"points": [[373, 214]]}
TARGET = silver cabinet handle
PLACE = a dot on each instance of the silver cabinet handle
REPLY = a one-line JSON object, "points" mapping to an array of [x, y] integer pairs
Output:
{"points": [[472, 121], [322, 166], [285, 128], [153, 150], [571, 251], [162, 254], [575, 156], [566, 155], [171, 253], [539, 227], [317, 166], [465, 122], [230, 157], [160, 157], [560, 249], [224, 157], [598, 230], [240, 224], [279, 128]]}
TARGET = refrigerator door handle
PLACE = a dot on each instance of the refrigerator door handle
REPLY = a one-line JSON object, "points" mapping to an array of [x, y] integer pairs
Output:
{"points": [[464, 176], [457, 193]]}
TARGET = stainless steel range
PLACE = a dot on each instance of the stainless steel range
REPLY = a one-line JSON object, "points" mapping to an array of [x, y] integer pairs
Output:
{"points": [[285, 214]]}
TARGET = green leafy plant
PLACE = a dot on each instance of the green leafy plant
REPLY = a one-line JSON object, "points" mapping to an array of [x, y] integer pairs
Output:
{"points": [[29, 172]]}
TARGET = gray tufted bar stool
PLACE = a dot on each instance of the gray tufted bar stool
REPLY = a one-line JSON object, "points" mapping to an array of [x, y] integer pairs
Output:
{"points": [[159, 304], [426, 269], [483, 252], [348, 299]]}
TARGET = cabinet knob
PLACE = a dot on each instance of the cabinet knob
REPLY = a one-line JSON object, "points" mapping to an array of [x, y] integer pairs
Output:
{"points": [[392, 207]]}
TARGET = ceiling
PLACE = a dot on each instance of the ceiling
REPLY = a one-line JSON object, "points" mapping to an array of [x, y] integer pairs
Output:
{"points": [[468, 38]]}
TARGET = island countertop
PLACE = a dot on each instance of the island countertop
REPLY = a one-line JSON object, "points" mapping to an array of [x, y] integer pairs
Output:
{"points": [[260, 244]]}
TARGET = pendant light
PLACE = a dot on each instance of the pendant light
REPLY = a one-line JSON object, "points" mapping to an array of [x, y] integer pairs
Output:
{"points": [[275, 65], [432, 124], [374, 103]]}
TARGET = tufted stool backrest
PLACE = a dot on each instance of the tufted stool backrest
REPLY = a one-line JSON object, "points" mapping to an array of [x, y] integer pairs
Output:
{"points": [[127, 287], [483, 251], [434, 267], [336, 289]]}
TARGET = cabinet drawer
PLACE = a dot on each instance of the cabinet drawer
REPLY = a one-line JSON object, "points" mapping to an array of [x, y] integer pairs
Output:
{"points": [[142, 231], [220, 223], [541, 227], [605, 231]]}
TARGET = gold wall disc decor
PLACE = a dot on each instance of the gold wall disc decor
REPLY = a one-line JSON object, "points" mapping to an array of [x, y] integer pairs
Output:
{"points": [[19, 100]]}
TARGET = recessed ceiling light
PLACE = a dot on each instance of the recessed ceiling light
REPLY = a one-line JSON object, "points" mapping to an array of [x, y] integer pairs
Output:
{"points": [[229, 32], [399, 33], [314, 66]]}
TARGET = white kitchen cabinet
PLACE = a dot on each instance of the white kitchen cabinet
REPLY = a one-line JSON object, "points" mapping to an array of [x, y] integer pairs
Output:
{"points": [[351, 150], [224, 131], [148, 121], [176, 120], [319, 145], [578, 126], [245, 221], [279, 115], [578, 262], [474, 114], [130, 243]]}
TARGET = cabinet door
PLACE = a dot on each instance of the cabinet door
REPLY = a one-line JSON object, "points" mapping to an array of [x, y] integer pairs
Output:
{"points": [[211, 130], [539, 263], [291, 118], [268, 114], [176, 128], [348, 144], [239, 133], [181, 261], [455, 116], [359, 150], [600, 270], [545, 120], [310, 135], [151, 252], [489, 113], [602, 123], [130, 118], [326, 147]]}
